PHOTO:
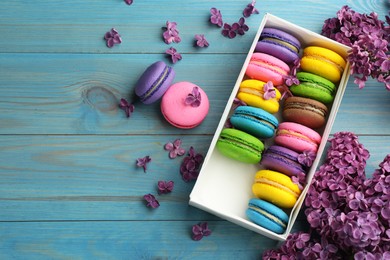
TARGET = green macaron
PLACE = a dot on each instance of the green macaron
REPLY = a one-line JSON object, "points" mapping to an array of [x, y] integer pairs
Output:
{"points": [[240, 146], [315, 87]]}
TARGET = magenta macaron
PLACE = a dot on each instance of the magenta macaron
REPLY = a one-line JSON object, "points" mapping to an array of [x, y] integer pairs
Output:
{"points": [[154, 82], [185, 105], [265, 67], [297, 137]]}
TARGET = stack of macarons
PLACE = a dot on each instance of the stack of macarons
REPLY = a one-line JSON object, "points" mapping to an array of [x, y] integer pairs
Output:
{"points": [[291, 128], [183, 104]]}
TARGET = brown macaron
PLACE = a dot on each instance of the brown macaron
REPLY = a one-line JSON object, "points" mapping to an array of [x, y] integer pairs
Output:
{"points": [[305, 111]]}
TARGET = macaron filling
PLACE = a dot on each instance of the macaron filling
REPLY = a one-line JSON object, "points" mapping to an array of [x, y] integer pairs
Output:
{"points": [[295, 134], [257, 118], [269, 66], [268, 215], [321, 58], [275, 184], [155, 86], [281, 43], [240, 143], [318, 85], [298, 105]]}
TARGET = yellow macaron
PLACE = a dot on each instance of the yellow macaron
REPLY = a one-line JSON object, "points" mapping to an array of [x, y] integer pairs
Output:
{"points": [[323, 62], [252, 93], [276, 187]]}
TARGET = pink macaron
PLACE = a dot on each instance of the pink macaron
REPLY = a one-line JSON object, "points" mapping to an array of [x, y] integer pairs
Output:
{"points": [[185, 105], [297, 137], [266, 68]]}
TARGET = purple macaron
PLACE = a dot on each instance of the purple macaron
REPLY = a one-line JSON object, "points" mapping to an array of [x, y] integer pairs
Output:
{"points": [[282, 159], [154, 82], [279, 44]]}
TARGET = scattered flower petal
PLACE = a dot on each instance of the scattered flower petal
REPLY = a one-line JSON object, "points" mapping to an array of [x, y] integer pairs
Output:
{"points": [[112, 37], [216, 17], [151, 201], [174, 148], [194, 99], [141, 162], [165, 187], [129, 2], [201, 40], [190, 166], [269, 90], [200, 230], [171, 33], [307, 158], [126, 106], [229, 30], [175, 56], [241, 26], [250, 9]]}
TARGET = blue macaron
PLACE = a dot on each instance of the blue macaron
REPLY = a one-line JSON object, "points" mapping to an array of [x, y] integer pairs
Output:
{"points": [[255, 121], [267, 215]]}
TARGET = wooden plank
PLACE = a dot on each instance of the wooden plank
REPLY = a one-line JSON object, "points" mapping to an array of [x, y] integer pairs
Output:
{"points": [[128, 240], [95, 177], [47, 26], [78, 94]]}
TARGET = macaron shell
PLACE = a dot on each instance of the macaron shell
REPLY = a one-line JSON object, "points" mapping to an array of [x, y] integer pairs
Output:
{"points": [[267, 215], [177, 112], [305, 111], [279, 44], [282, 159], [240, 146], [154, 82], [314, 87], [266, 68], [323, 62], [255, 121], [274, 187], [251, 92], [297, 137]]}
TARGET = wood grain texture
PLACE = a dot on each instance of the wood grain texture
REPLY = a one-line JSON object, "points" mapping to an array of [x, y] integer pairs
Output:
{"points": [[69, 186]]}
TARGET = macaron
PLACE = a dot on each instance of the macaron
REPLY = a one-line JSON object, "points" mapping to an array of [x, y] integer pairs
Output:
{"points": [[254, 121], [305, 111], [185, 105], [315, 87], [297, 137], [323, 62], [266, 68], [154, 82], [282, 159], [276, 188], [240, 146], [279, 44], [267, 215], [251, 92]]}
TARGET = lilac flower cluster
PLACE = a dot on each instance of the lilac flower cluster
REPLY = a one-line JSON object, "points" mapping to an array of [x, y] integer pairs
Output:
{"points": [[190, 166], [369, 39], [200, 230], [231, 30], [349, 214]]}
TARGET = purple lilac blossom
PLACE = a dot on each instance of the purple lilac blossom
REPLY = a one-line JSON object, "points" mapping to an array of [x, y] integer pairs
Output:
{"points": [[229, 30], [174, 148], [112, 37], [190, 166], [369, 39], [194, 98], [250, 9], [200, 230], [269, 90], [241, 26], [151, 201], [175, 56], [129, 2], [171, 33], [201, 40], [126, 106], [216, 17], [165, 187], [141, 162]]}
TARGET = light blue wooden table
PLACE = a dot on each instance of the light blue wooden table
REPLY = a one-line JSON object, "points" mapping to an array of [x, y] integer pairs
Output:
{"points": [[69, 187]]}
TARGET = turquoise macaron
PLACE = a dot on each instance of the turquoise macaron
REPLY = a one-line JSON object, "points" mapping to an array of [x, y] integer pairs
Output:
{"points": [[254, 121], [267, 215]]}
